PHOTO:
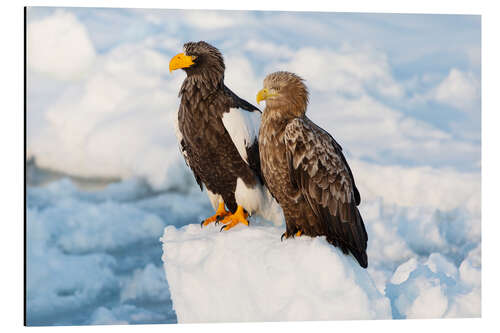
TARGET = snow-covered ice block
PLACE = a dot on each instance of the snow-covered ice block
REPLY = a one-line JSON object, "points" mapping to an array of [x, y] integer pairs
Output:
{"points": [[248, 274]]}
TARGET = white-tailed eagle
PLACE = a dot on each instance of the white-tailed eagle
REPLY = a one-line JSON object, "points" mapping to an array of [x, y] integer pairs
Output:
{"points": [[305, 170]]}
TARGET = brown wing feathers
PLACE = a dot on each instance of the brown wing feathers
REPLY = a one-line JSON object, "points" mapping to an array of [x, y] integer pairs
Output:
{"points": [[318, 168]]}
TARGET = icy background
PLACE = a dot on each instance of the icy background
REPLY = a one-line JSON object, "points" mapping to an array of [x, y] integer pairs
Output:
{"points": [[400, 93]]}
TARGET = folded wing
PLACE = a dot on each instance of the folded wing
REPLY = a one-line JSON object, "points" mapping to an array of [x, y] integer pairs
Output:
{"points": [[319, 170]]}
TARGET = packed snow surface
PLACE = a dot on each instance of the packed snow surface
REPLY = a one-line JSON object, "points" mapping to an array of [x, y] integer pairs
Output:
{"points": [[248, 274]]}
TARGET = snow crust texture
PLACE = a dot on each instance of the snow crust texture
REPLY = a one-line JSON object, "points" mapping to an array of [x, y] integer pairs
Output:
{"points": [[423, 263], [250, 275]]}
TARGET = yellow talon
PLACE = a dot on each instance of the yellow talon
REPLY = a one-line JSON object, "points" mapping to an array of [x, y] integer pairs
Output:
{"points": [[298, 233], [230, 221], [219, 214]]}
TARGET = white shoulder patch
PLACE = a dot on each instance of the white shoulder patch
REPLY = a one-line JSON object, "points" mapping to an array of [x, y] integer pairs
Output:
{"points": [[243, 127]]}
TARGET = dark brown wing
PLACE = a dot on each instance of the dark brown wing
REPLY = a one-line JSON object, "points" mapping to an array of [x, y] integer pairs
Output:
{"points": [[184, 152], [319, 170]]}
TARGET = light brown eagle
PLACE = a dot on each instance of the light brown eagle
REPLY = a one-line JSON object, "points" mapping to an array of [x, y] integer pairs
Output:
{"points": [[305, 170], [217, 133]]}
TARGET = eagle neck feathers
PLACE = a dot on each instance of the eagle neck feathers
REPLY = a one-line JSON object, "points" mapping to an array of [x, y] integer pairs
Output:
{"points": [[276, 121], [202, 85]]}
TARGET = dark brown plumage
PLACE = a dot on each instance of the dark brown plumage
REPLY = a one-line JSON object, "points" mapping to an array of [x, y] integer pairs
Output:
{"points": [[305, 170], [207, 123]]}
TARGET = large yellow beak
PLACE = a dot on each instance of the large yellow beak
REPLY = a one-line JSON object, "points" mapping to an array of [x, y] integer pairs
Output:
{"points": [[180, 61], [264, 94]]}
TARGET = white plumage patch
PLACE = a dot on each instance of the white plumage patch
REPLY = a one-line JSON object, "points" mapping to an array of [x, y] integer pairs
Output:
{"points": [[214, 198], [243, 127], [248, 198], [258, 200]]}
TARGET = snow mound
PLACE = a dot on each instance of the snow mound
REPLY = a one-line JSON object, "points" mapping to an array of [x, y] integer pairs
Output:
{"points": [[248, 274]]}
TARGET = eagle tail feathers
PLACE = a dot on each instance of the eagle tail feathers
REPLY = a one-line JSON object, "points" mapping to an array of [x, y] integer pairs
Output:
{"points": [[348, 236]]}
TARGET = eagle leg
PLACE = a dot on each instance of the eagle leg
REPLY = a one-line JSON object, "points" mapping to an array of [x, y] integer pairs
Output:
{"points": [[230, 221], [219, 214], [285, 235]]}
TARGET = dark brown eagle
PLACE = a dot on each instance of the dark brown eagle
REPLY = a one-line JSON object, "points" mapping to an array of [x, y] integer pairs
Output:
{"points": [[305, 170], [218, 136]]}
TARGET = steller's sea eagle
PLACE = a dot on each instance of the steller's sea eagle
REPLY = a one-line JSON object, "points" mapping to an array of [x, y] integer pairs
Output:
{"points": [[218, 136], [305, 170]]}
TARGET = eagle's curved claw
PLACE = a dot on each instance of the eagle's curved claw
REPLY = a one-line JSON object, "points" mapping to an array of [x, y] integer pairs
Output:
{"points": [[219, 215], [297, 234], [224, 226], [232, 220]]}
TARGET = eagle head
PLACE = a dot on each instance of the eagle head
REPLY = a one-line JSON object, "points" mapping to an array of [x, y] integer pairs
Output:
{"points": [[201, 59], [286, 92]]}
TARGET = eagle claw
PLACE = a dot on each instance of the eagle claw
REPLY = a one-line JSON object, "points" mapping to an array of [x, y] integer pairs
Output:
{"points": [[284, 235], [224, 226]]}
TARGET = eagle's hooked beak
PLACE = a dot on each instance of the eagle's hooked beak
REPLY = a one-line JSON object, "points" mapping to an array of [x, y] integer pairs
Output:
{"points": [[180, 61], [264, 94]]}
